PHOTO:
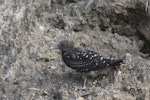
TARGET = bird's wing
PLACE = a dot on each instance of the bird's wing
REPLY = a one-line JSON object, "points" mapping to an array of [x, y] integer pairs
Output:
{"points": [[79, 58]]}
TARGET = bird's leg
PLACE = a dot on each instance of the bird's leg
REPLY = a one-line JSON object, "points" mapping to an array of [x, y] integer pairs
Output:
{"points": [[85, 79]]}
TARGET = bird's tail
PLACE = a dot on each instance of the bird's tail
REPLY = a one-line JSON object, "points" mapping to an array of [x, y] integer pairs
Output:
{"points": [[116, 62]]}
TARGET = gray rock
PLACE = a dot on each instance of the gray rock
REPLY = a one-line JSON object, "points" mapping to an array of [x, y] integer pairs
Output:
{"points": [[29, 66]]}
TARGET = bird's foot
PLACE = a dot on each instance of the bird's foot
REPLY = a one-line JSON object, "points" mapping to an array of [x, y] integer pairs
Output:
{"points": [[82, 88]]}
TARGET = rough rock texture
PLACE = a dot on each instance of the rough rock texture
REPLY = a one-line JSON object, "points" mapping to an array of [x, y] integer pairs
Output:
{"points": [[31, 69]]}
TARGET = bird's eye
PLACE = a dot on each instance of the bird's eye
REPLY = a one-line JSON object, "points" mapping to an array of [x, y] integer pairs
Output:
{"points": [[62, 45]]}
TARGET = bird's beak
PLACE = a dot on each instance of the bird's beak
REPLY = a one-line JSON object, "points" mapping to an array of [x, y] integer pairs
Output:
{"points": [[53, 47]]}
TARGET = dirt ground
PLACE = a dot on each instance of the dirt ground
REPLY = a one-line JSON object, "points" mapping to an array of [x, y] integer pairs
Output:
{"points": [[30, 69]]}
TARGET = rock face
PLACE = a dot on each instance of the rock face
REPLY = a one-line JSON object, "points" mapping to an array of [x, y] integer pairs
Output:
{"points": [[31, 69], [144, 28]]}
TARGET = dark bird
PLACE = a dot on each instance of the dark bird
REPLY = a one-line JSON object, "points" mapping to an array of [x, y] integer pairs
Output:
{"points": [[84, 60]]}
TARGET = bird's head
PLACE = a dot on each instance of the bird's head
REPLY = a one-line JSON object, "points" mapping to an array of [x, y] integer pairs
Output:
{"points": [[65, 45]]}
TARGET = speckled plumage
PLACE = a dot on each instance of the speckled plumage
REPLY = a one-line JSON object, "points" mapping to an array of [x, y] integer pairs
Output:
{"points": [[84, 60]]}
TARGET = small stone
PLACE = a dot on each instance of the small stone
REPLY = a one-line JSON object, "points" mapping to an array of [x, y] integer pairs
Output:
{"points": [[53, 67], [119, 72], [129, 60], [116, 97], [57, 96], [23, 84], [79, 98], [1, 71], [127, 88]]}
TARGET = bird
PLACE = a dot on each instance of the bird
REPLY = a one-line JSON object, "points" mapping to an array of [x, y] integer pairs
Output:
{"points": [[83, 60]]}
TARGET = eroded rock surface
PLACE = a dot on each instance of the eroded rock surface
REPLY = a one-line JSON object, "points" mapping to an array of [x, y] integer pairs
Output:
{"points": [[31, 69]]}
